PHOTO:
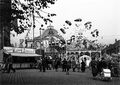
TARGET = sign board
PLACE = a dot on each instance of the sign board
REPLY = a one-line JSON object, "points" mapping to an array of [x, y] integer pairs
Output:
{"points": [[19, 50], [9, 49], [27, 50]]}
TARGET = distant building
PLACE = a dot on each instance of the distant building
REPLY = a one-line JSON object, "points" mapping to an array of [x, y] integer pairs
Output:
{"points": [[113, 48]]}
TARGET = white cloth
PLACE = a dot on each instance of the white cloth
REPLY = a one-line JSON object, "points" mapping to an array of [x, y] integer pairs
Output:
{"points": [[88, 59]]}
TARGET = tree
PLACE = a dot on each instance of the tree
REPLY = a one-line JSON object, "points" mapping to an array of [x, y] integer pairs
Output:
{"points": [[14, 11], [23, 11], [5, 18]]}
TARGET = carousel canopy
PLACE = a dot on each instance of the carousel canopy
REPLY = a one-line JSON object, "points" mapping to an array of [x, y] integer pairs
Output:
{"points": [[48, 33]]}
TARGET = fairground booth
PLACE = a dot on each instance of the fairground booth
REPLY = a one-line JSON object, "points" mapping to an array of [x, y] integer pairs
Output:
{"points": [[22, 57]]}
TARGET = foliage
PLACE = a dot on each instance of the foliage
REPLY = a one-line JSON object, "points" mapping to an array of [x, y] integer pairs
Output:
{"points": [[23, 12]]}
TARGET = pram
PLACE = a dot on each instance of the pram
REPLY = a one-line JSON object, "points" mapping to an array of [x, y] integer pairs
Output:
{"points": [[106, 74]]}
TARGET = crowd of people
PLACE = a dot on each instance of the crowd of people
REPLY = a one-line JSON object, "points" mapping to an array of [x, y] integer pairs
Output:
{"points": [[47, 63], [66, 64], [97, 66]]}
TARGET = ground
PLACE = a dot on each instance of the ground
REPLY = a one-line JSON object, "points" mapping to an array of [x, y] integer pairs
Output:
{"points": [[50, 77]]}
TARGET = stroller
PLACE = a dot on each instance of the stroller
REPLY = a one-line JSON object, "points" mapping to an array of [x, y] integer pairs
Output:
{"points": [[106, 74]]}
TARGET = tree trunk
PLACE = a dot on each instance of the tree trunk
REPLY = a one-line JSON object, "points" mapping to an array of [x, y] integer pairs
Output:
{"points": [[5, 18]]}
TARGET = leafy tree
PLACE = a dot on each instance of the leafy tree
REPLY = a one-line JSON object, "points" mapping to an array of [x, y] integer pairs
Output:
{"points": [[23, 11], [14, 11], [5, 18]]}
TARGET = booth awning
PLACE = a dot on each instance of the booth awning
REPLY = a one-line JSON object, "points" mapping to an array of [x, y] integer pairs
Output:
{"points": [[25, 54]]}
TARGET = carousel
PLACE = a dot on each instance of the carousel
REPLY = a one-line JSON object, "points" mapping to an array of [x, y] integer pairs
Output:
{"points": [[50, 41], [81, 52]]}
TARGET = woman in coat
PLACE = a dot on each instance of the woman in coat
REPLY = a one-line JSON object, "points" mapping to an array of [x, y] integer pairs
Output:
{"points": [[83, 65], [94, 67]]}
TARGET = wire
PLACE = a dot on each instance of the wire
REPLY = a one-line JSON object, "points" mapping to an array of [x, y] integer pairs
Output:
{"points": [[38, 21]]}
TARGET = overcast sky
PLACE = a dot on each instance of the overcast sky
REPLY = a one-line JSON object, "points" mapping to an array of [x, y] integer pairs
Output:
{"points": [[104, 15]]}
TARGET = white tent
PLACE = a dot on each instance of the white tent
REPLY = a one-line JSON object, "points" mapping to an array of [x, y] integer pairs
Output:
{"points": [[88, 59]]}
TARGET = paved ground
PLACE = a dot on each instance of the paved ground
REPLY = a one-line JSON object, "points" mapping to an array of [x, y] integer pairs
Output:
{"points": [[34, 77]]}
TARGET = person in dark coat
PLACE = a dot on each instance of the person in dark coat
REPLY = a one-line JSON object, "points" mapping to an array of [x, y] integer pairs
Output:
{"points": [[99, 66], [44, 64], [115, 66], [83, 65], [94, 67], [68, 66], [10, 64], [109, 63], [56, 64], [64, 65], [39, 64], [102, 64], [5, 56], [73, 64]]}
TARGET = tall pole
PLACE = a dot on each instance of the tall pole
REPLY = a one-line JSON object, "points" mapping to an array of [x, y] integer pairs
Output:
{"points": [[33, 24], [40, 37]]}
